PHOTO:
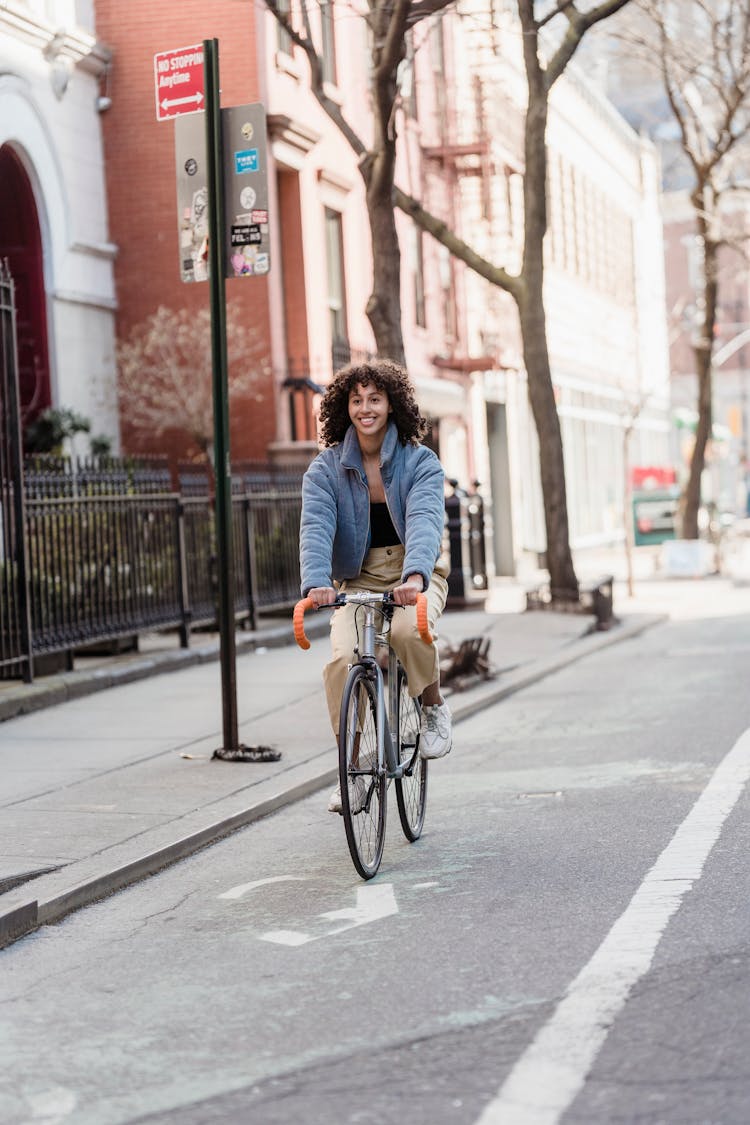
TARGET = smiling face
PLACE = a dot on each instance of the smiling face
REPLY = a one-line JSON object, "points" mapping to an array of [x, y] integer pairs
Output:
{"points": [[368, 410]]}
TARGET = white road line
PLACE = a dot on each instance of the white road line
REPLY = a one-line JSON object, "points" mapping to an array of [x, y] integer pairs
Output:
{"points": [[552, 1070]]}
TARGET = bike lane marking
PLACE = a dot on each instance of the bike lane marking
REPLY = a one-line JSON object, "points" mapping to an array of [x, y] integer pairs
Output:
{"points": [[373, 903], [552, 1070], [53, 1106], [245, 888]]}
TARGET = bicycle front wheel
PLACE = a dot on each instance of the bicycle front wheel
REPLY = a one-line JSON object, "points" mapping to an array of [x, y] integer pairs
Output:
{"points": [[363, 782], [411, 788]]}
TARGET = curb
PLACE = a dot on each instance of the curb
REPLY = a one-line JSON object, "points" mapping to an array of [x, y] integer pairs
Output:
{"points": [[17, 922], [22, 917]]}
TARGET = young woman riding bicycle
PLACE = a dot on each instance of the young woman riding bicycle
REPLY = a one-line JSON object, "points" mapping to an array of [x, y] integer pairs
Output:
{"points": [[373, 511]]}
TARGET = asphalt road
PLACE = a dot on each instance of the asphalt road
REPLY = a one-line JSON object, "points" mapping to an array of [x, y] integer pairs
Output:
{"points": [[567, 942]]}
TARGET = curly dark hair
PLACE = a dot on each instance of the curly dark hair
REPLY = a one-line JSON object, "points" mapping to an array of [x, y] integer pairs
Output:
{"points": [[388, 377]]}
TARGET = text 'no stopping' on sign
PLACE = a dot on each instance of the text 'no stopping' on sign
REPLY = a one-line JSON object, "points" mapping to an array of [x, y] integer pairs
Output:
{"points": [[179, 82]]}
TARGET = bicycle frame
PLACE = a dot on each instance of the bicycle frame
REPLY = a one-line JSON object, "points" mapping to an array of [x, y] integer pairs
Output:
{"points": [[386, 717], [387, 757]]}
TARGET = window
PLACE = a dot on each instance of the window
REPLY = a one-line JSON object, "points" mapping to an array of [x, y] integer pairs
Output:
{"points": [[283, 39], [409, 85], [437, 57], [574, 261], [450, 318], [329, 41], [419, 305], [336, 287], [553, 208]]}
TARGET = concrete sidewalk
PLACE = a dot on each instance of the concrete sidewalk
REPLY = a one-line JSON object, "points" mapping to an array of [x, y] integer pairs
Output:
{"points": [[104, 787]]}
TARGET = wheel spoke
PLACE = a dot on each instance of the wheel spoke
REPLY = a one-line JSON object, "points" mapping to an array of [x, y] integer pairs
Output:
{"points": [[411, 789], [362, 782]]}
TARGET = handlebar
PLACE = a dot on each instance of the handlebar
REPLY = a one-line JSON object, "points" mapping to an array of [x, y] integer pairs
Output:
{"points": [[298, 620], [423, 625], [298, 617]]}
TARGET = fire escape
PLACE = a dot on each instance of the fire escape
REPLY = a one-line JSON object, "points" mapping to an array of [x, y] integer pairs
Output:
{"points": [[478, 137]]}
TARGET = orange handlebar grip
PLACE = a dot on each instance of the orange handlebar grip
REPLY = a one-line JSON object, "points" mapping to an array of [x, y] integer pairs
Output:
{"points": [[298, 621], [423, 627]]}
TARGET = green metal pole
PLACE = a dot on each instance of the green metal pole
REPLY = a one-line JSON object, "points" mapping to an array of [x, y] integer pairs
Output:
{"points": [[222, 462], [231, 749]]}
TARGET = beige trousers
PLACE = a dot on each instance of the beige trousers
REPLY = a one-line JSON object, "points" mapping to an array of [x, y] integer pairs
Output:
{"points": [[381, 571]]}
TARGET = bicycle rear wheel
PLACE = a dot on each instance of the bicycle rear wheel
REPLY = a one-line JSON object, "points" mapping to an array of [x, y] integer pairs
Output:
{"points": [[363, 783], [411, 789]]}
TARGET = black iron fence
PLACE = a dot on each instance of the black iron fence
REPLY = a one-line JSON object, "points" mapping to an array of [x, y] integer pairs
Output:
{"points": [[113, 551], [15, 623]]}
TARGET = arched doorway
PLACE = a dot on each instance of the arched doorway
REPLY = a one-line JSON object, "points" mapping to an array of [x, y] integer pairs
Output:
{"points": [[21, 245]]}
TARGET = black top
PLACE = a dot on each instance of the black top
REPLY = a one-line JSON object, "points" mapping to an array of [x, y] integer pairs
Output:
{"points": [[382, 531]]}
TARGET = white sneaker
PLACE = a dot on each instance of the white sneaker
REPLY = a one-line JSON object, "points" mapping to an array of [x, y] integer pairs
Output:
{"points": [[334, 801], [435, 734], [357, 800]]}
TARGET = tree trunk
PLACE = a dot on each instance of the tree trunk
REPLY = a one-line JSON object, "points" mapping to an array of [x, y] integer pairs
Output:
{"points": [[692, 499], [702, 350], [562, 576], [384, 305]]}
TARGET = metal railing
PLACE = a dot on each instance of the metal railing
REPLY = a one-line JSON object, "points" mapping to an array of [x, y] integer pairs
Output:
{"points": [[113, 551], [465, 529], [110, 550], [15, 622]]}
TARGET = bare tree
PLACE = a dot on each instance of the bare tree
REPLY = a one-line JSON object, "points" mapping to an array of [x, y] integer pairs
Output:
{"points": [[164, 371], [389, 22], [701, 53], [552, 31]]}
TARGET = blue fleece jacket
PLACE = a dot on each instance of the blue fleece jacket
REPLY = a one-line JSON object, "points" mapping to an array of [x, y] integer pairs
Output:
{"points": [[335, 530]]}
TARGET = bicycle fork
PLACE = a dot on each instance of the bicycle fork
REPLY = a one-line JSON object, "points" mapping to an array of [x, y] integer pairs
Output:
{"points": [[388, 762]]}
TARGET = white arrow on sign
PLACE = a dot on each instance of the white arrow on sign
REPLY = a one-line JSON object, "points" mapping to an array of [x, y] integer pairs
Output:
{"points": [[373, 903], [170, 103]]}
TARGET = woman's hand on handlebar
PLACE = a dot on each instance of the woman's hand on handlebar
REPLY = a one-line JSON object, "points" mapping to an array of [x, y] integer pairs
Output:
{"points": [[406, 593], [322, 595]]}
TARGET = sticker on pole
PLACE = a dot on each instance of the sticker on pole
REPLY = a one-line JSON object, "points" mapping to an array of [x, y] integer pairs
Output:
{"points": [[179, 82]]}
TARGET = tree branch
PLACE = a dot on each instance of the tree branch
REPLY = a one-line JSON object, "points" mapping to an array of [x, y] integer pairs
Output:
{"points": [[530, 44], [578, 24], [424, 8], [393, 45], [427, 222], [562, 8], [442, 233]]}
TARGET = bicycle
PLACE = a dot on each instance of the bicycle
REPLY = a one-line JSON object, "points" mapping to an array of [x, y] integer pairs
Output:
{"points": [[369, 757]]}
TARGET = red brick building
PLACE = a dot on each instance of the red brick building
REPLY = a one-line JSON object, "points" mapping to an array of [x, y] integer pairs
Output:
{"points": [[310, 308], [140, 168]]}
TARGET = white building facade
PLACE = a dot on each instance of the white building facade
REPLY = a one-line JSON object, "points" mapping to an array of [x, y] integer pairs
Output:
{"points": [[53, 221], [604, 295]]}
